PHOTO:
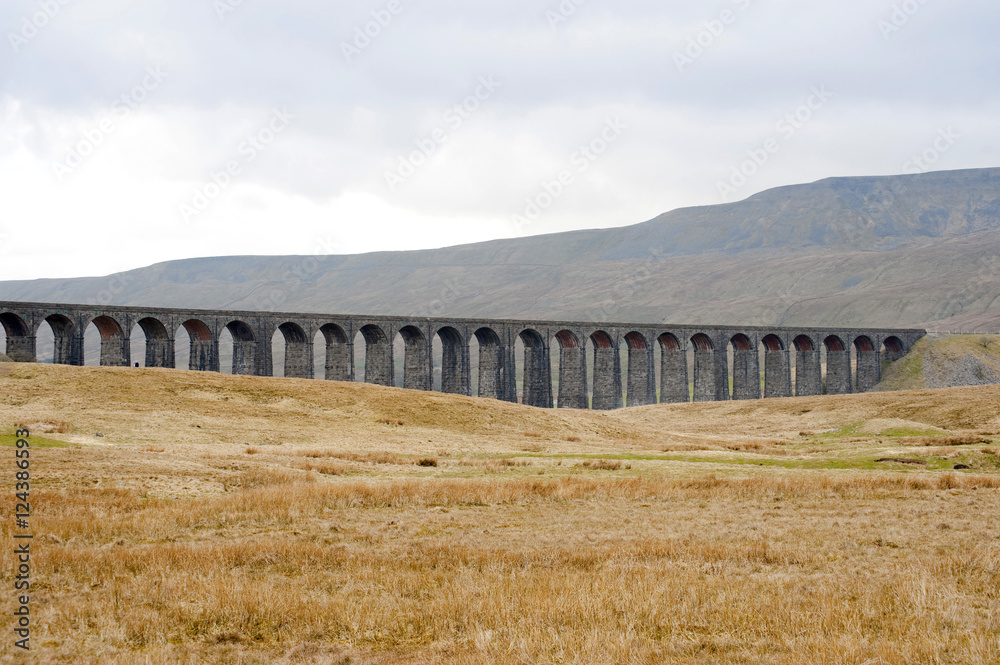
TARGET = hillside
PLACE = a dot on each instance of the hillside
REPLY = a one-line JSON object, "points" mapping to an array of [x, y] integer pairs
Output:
{"points": [[960, 360], [899, 250]]}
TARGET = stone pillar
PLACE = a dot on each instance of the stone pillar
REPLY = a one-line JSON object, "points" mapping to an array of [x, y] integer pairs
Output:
{"points": [[204, 355], [537, 384], [508, 373], [116, 351], [838, 372], [705, 376], [417, 364], [339, 361], [674, 377], [160, 353], [641, 377], [572, 378], [378, 363], [607, 378], [746, 374], [721, 375], [491, 380], [244, 357], [868, 371], [298, 360], [777, 374], [22, 348], [808, 373], [454, 367]]}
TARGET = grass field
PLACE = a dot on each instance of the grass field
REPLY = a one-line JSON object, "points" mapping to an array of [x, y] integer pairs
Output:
{"points": [[198, 518]]}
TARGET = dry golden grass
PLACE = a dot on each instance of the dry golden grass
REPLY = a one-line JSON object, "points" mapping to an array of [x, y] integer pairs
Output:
{"points": [[720, 534]]}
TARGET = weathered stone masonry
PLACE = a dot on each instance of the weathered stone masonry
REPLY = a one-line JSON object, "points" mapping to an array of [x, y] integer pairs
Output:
{"points": [[710, 374]]}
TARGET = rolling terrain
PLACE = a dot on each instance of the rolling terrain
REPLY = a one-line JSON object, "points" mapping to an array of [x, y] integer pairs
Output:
{"points": [[194, 517], [876, 251]]}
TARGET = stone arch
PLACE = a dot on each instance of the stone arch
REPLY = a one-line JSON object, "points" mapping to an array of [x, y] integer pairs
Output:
{"points": [[20, 342], [746, 368], [298, 351], [868, 371], [204, 347], [894, 347], [244, 347], [492, 365], [537, 372], [777, 367], [704, 369], [607, 392], [673, 370], [641, 381], [378, 355], [838, 366], [338, 353], [115, 347], [159, 343], [67, 341], [416, 359], [572, 371], [454, 361], [808, 367]]}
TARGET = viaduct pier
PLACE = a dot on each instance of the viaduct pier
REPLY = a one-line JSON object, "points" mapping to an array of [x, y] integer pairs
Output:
{"points": [[649, 361]]}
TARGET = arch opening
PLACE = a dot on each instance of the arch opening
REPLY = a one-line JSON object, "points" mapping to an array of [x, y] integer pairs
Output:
{"points": [[416, 359], [452, 356], [150, 341], [292, 351], [115, 347], [19, 343], [202, 347], [378, 356], [536, 374], [243, 347]]}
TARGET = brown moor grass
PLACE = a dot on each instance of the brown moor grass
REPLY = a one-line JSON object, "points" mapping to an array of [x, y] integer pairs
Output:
{"points": [[199, 553]]}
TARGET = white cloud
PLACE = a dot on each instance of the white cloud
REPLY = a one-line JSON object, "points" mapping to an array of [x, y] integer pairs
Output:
{"points": [[323, 177]]}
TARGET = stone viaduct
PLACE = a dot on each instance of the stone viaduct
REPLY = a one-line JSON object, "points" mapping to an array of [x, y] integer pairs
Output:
{"points": [[853, 357]]}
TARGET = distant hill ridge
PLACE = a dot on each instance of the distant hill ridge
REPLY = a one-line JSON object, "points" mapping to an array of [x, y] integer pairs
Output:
{"points": [[876, 251]]}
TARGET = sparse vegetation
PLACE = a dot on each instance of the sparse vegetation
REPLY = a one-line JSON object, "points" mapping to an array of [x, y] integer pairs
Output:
{"points": [[691, 534]]}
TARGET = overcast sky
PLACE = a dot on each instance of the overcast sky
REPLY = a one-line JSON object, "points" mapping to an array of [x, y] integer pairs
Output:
{"points": [[137, 131]]}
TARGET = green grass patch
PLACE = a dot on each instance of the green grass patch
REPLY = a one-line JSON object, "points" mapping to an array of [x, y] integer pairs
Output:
{"points": [[10, 441]]}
